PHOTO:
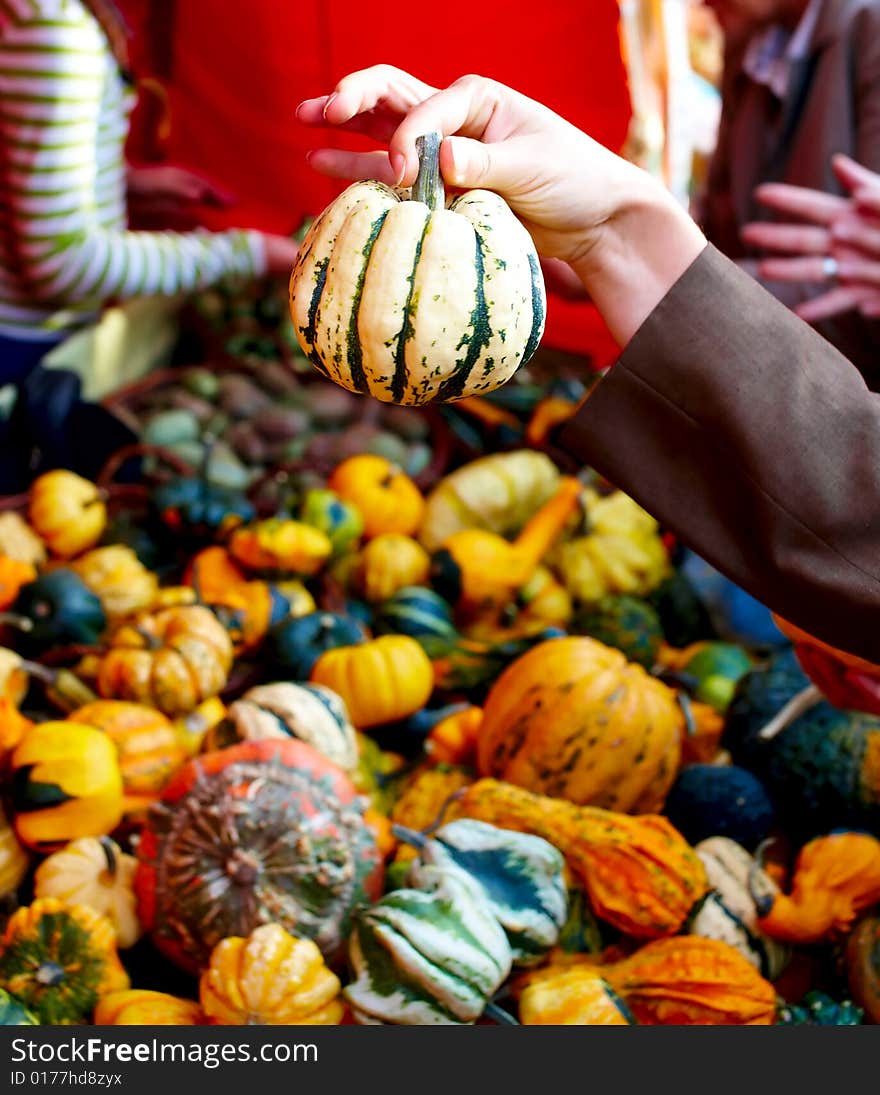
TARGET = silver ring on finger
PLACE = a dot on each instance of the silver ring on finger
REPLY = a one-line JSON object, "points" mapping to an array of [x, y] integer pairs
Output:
{"points": [[830, 268]]}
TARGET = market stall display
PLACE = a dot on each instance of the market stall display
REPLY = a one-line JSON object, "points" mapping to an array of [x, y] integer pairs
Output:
{"points": [[447, 740]]}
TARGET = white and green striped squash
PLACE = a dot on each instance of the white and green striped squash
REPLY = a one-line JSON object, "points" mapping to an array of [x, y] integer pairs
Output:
{"points": [[310, 712], [522, 876], [410, 301], [728, 912], [429, 955]]}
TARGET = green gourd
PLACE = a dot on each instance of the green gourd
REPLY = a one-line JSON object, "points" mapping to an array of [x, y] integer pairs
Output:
{"points": [[13, 1013], [420, 613], [822, 769], [430, 954], [340, 521], [56, 609], [522, 876], [627, 623]]}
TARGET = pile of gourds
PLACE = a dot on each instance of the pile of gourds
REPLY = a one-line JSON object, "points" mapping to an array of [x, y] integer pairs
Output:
{"points": [[383, 757]]}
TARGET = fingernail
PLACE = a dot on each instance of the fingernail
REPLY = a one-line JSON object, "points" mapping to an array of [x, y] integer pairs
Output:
{"points": [[456, 159], [398, 166], [329, 101]]}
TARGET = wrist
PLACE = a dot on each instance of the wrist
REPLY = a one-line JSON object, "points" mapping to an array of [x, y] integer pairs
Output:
{"points": [[637, 254]]}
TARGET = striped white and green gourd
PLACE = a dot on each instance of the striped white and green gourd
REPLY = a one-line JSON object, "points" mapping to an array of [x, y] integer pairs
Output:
{"points": [[522, 876], [728, 912], [410, 301], [420, 613], [310, 712], [433, 954], [64, 247]]}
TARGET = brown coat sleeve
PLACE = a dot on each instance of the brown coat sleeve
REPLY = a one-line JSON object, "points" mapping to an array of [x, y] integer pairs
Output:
{"points": [[748, 435]]}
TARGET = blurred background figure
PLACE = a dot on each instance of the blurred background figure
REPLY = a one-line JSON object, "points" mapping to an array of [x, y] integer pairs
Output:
{"points": [[66, 92], [801, 83]]}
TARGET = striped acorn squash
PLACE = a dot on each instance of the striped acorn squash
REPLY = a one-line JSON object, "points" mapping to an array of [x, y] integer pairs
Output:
{"points": [[521, 874], [410, 301], [573, 719], [434, 954], [309, 712], [420, 613]]}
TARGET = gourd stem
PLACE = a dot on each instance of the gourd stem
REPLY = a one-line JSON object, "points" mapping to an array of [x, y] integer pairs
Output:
{"points": [[684, 703], [798, 705], [763, 902], [151, 642], [428, 187], [441, 813], [41, 672], [13, 619], [409, 836], [109, 850], [502, 1017]]}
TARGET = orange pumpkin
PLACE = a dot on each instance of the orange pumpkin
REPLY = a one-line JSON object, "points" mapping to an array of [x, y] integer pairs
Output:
{"points": [[388, 500], [171, 660], [388, 563], [573, 719]]}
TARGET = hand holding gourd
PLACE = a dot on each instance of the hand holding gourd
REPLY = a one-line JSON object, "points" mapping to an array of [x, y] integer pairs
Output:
{"points": [[626, 238]]}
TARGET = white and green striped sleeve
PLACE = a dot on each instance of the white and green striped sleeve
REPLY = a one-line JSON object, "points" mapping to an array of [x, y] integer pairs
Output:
{"points": [[62, 124]]}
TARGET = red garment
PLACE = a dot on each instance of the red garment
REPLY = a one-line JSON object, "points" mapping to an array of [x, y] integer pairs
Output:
{"points": [[239, 71]]}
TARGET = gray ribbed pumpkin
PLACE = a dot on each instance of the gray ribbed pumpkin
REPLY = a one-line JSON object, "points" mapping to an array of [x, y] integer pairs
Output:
{"points": [[728, 912], [435, 954], [410, 301], [310, 712], [521, 874]]}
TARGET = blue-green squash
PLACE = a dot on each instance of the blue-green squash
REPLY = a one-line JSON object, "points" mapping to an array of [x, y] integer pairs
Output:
{"points": [[295, 645], [56, 609], [818, 1009], [420, 613], [823, 770], [197, 509]]}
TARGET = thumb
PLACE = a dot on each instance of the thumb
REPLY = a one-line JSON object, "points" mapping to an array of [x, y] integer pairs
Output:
{"points": [[469, 164]]}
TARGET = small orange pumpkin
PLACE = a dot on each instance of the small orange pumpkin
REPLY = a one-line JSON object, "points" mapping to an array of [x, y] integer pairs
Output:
{"points": [[388, 563], [145, 1008], [381, 680], [171, 660], [388, 500]]}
